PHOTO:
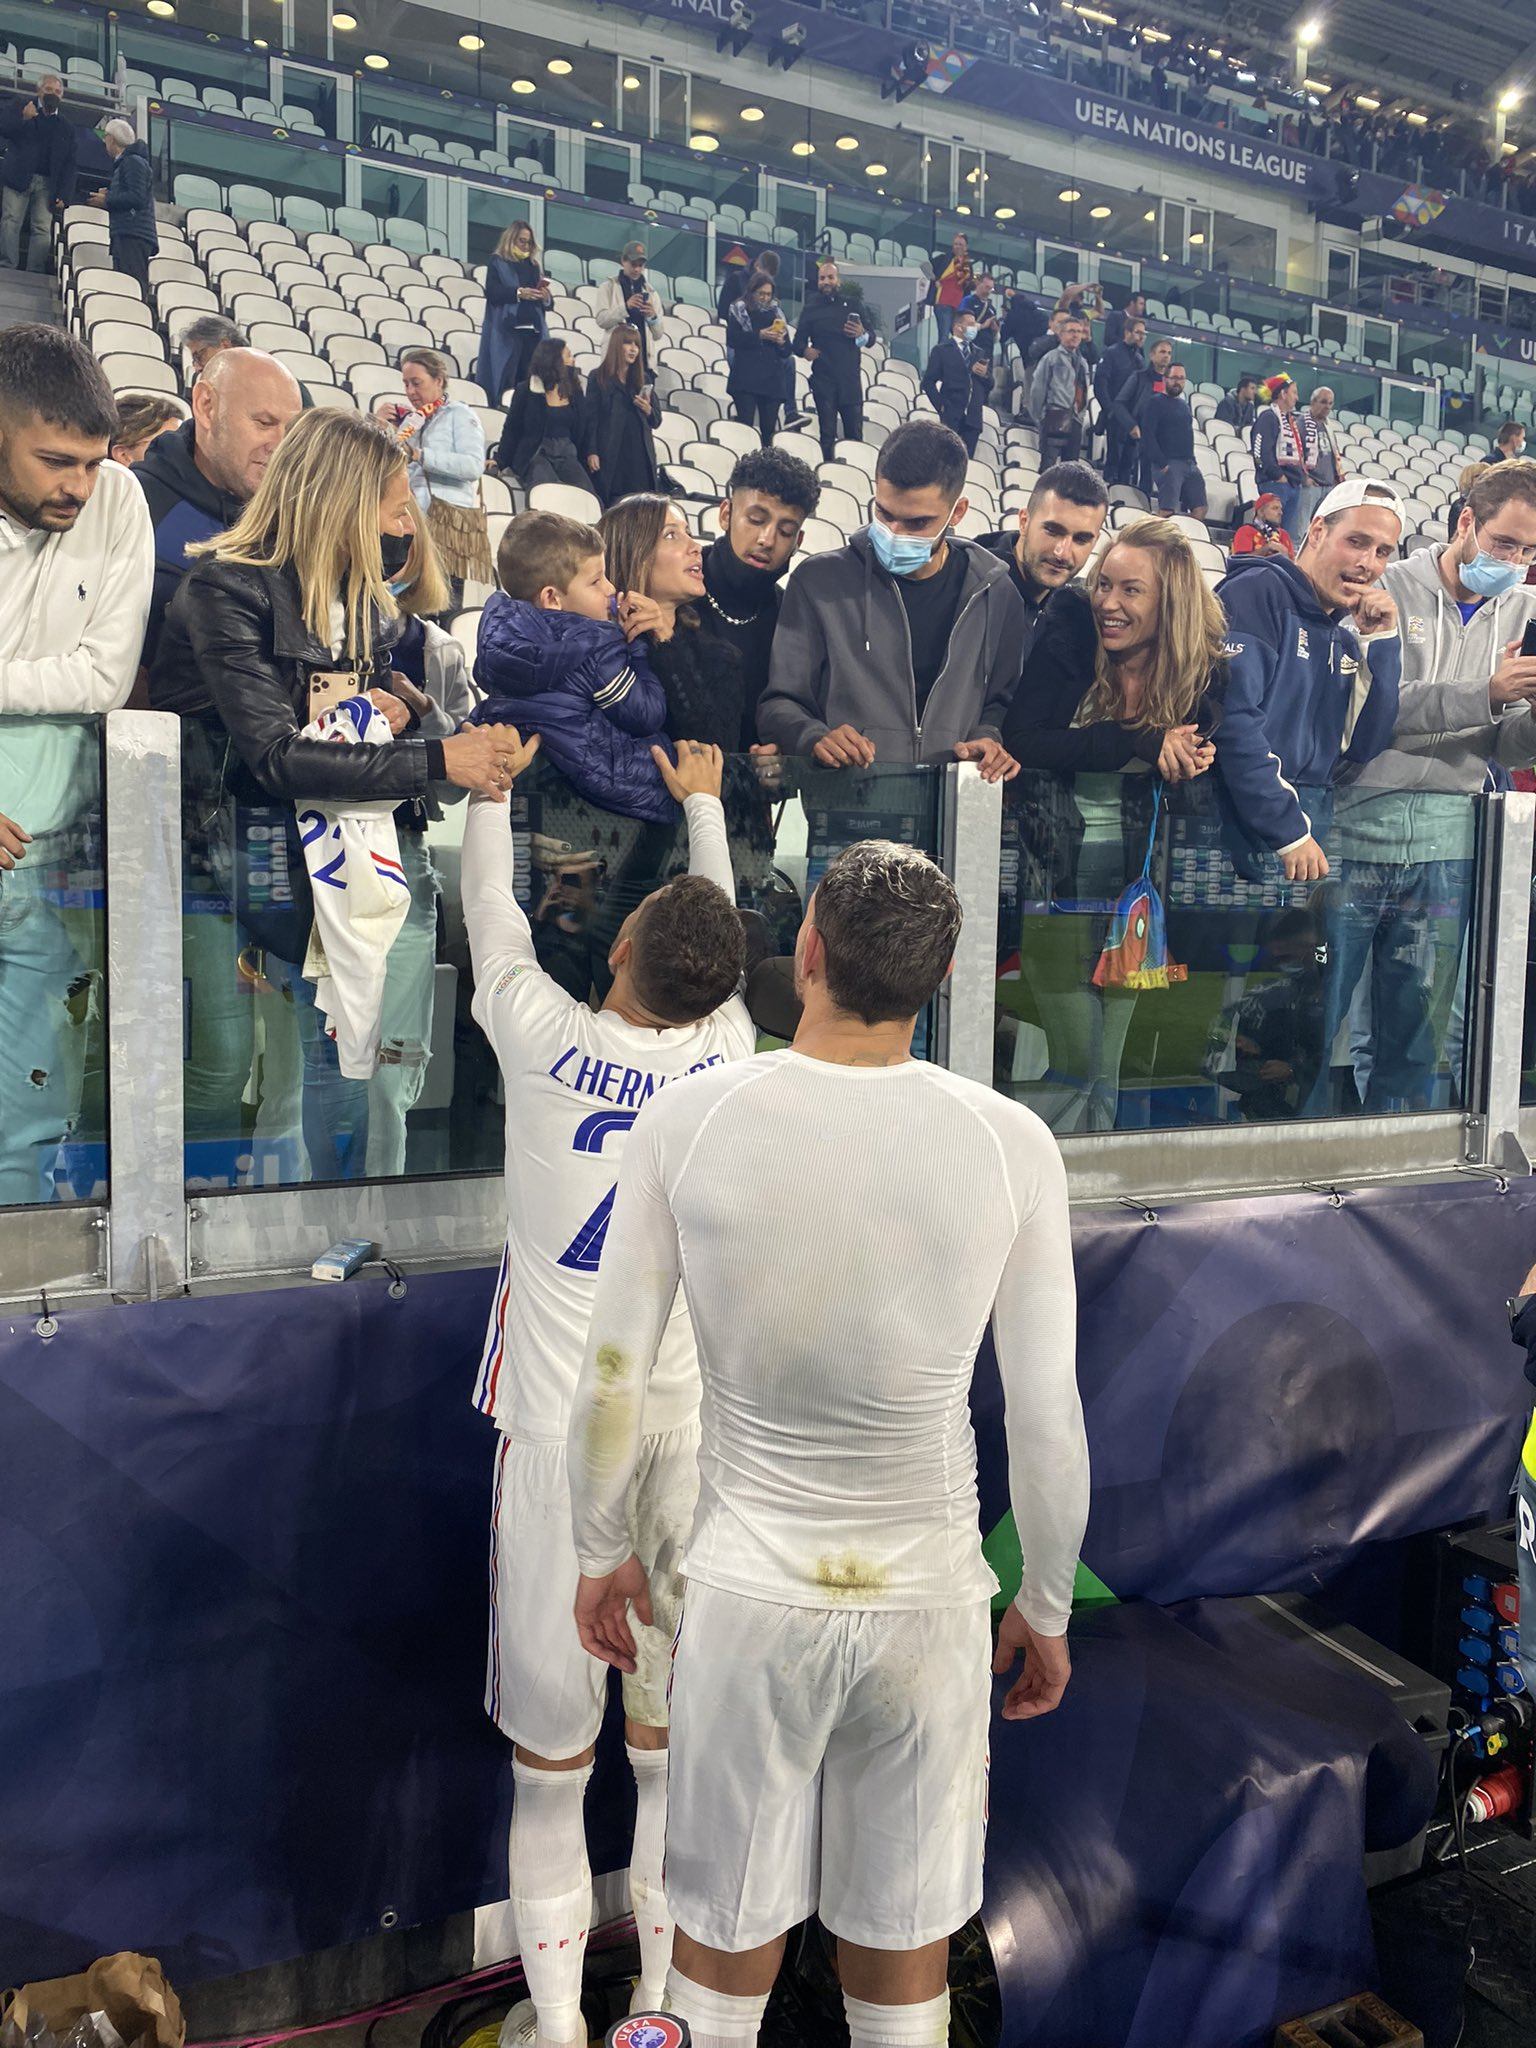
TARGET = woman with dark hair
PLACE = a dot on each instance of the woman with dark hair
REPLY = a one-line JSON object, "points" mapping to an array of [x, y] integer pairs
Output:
{"points": [[657, 567], [622, 410], [517, 294], [760, 339], [546, 427]]}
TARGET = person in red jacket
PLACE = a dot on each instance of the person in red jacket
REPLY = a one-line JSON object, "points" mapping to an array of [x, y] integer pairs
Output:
{"points": [[1262, 534]]}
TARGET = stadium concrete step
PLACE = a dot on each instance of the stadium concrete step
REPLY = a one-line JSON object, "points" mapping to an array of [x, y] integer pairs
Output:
{"points": [[27, 296]]}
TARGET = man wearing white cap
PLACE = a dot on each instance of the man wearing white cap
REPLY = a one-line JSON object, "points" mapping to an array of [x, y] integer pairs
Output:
{"points": [[1312, 678]]}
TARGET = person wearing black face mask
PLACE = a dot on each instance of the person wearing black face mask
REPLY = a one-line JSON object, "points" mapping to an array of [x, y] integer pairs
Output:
{"points": [[37, 172]]}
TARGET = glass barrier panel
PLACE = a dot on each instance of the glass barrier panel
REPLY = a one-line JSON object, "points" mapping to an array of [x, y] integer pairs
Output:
{"points": [[266, 1103], [1157, 970], [199, 60], [284, 168], [64, 32], [53, 950]]}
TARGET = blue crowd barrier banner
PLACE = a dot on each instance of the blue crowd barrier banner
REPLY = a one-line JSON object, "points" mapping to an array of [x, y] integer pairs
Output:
{"points": [[243, 1545], [1174, 1854], [1273, 1384]]}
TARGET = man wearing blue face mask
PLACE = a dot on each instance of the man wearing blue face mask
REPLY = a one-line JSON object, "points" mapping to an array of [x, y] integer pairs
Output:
{"points": [[1404, 829], [905, 645]]}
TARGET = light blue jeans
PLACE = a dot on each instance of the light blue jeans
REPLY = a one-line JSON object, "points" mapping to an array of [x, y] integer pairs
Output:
{"points": [[44, 988]]}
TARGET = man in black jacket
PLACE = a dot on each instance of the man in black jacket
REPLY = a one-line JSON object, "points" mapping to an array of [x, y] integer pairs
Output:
{"points": [[1116, 323], [957, 379], [129, 199], [768, 499], [1056, 534], [1118, 364], [37, 172], [1130, 403], [1023, 324], [1240, 407], [199, 480], [830, 334], [1168, 433]]}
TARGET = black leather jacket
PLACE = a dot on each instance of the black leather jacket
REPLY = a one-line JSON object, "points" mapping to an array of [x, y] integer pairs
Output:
{"points": [[236, 657]]}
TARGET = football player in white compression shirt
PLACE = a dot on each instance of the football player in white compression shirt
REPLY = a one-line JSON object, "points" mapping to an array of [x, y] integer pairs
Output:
{"points": [[844, 1220], [575, 1080]]}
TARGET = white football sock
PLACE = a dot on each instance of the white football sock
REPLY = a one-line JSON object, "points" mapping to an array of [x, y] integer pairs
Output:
{"points": [[653, 1922], [551, 1888], [898, 2026], [715, 2019]]}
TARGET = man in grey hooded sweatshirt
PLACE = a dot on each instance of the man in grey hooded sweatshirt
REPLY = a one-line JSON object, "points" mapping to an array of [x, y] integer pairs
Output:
{"points": [[905, 645], [1404, 829]]}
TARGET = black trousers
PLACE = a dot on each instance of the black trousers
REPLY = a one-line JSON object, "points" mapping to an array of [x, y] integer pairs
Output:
{"points": [[832, 405], [968, 430], [1061, 436], [762, 413], [131, 254]]}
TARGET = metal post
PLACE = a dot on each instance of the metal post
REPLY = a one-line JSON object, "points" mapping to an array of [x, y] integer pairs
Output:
{"points": [[147, 1221], [973, 833], [1496, 1015]]}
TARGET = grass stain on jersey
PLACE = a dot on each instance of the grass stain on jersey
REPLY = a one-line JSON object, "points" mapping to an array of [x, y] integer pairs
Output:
{"points": [[606, 1436], [612, 1365], [851, 1577]]}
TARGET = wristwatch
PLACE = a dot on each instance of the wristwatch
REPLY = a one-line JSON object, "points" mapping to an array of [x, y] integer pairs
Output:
{"points": [[1517, 1304]]}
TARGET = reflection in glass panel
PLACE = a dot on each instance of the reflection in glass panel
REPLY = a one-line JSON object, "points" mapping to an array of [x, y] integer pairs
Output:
{"points": [[393, 194], [53, 1126], [62, 34], [266, 1104], [1227, 994], [282, 168], [199, 62]]}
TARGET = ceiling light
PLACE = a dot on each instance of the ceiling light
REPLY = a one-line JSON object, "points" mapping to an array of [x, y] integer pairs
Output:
{"points": [[597, 124], [1309, 32], [1418, 120], [524, 85], [846, 142], [1316, 85], [345, 22], [803, 149], [1156, 35], [631, 83], [1150, 214], [965, 210], [260, 43], [559, 67], [1098, 213], [1069, 196], [1004, 213], [1371, 106], [1214, 53], [471, 42], [1508, 101], [752, 113], [1197, 240], [875, 170], [375, 62], [163, 8], [707, 144]]}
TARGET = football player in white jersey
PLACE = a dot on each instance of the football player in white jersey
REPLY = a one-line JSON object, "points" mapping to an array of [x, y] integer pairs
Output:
{"points": [[575, 1080], [845, 1219]]}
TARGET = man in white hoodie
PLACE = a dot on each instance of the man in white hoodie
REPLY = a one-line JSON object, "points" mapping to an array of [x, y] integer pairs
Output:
{"points": [[75, 567], [1404, 828]]}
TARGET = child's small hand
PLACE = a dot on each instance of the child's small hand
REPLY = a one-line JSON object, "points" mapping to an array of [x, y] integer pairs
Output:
{"points": [[638, 615], [699, 771]]}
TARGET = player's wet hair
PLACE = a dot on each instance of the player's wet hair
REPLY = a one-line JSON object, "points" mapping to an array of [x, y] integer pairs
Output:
{"points": [[889, 919], [687, 950]]}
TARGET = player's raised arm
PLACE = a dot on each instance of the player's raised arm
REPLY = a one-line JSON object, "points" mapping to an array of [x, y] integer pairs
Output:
{"points": [[499, 937], [695, 781], [1034, 1326], [636, 1287]]}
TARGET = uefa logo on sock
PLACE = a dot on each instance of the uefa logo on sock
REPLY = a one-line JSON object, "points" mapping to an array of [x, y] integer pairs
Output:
{"points": [[649, 2030]]}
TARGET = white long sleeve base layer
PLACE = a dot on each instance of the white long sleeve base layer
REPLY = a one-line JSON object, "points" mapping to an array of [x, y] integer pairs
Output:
{"points": [[575, 1079], [842, 1235]]}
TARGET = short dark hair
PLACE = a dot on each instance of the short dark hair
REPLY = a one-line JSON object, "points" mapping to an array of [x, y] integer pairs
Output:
{"points": [[1248, 377], [888, 918], [212, 330], [144, 412], [540, 550], [777, 474], [1500, 484], [921, 454], [46, 372], [1509, 430], [688, 950], [1078, 482]]}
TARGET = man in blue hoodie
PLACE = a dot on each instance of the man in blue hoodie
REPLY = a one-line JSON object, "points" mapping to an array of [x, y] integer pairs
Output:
{"points": [[1313, 664]]}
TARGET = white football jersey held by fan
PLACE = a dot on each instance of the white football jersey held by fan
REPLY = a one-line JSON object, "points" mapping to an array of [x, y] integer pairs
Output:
{"points": [[361, 896], [575, 1080]]}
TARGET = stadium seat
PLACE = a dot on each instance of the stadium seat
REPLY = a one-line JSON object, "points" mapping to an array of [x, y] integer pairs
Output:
{"points": [[567, 500]]}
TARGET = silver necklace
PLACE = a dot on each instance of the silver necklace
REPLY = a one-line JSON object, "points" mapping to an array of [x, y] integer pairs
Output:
{"points": [[728, 617]]}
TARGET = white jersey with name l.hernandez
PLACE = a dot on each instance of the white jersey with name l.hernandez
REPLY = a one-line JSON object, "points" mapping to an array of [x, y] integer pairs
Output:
{"points": [[575, 1080]]}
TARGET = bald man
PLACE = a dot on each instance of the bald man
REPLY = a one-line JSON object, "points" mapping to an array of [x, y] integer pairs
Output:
{"points": [[199, 479]]}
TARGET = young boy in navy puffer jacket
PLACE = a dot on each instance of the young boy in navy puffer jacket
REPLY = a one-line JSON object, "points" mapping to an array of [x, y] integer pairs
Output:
{"points": [[552, 660]]}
